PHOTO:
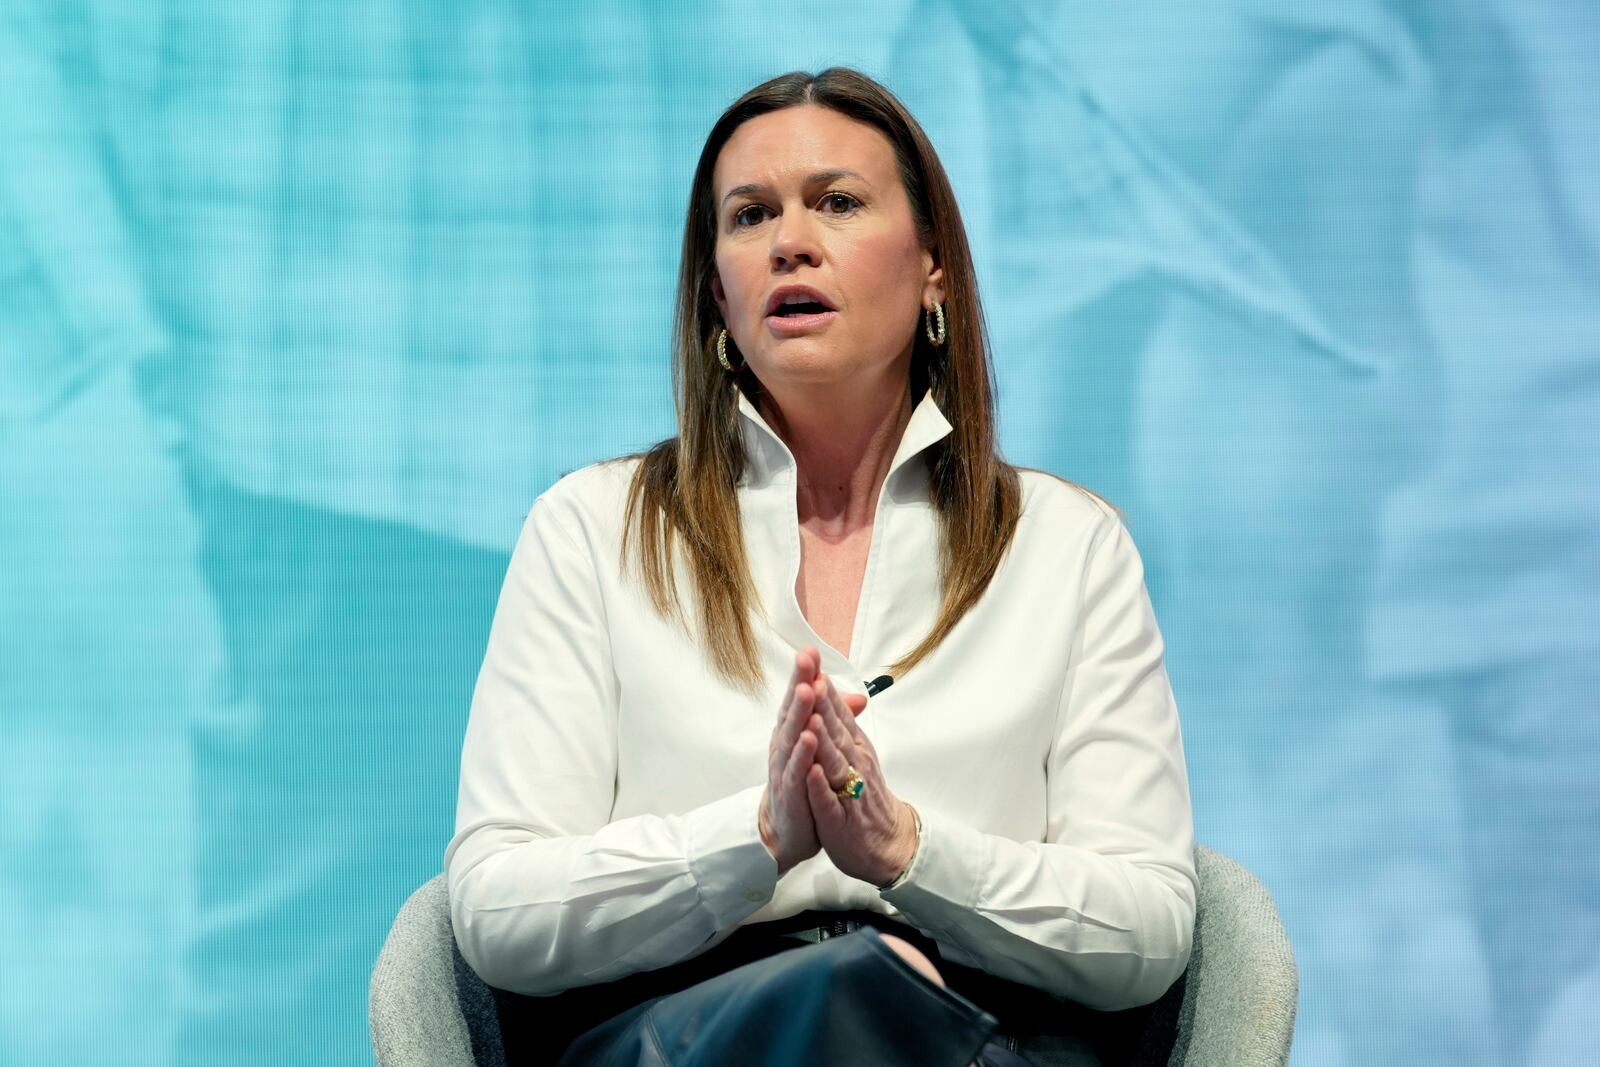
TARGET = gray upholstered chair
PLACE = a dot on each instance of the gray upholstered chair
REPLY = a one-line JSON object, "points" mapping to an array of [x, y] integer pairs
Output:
{"points": [[1235, 1005]]}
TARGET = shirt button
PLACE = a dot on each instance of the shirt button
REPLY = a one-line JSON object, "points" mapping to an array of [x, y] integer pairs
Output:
{"points": [[753, 895]]}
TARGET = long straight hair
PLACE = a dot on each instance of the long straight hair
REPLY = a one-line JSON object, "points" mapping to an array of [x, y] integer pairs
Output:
{"points": [[683, 494]]}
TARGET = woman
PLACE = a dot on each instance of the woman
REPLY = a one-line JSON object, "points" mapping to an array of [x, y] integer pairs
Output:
{"points": [[667, 800]]}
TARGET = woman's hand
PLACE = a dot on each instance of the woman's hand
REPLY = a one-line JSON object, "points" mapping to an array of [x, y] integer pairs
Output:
{"points": [[785, 820], [873, 836]]}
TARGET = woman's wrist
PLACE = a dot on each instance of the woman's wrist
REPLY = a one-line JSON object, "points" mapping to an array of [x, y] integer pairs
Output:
{"points": [[911, 853], [768, 838]]}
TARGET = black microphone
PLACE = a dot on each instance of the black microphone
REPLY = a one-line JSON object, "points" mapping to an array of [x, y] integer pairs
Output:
{"points": [[879, 684]]}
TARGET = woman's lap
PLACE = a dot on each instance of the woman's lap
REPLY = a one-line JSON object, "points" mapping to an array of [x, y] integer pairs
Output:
{"points": [[849, 999]]}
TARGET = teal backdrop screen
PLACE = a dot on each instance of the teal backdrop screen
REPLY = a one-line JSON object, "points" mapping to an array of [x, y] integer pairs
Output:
{"points": [[302, 305]]}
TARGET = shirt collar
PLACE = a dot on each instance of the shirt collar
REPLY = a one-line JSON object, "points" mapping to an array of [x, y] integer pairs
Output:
{"points": [[766, 454]]}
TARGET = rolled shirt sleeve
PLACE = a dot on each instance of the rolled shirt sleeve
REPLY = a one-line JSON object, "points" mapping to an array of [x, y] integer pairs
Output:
{"points": [[546, 893], [1102, 911]]}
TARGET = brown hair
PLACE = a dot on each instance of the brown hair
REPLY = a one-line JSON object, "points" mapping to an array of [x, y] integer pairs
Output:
{"points": [[685, 487]]}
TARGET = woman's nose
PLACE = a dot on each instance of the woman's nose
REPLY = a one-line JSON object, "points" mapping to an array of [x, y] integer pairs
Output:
{"points": [[794, 241]]}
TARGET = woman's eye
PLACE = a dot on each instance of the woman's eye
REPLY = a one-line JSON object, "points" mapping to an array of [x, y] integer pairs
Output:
{"points": [[748, 215], [838, 203]]}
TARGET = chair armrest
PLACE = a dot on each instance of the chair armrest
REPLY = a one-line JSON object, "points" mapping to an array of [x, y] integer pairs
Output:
{"points": [[1242, 984], [425, 1006]]}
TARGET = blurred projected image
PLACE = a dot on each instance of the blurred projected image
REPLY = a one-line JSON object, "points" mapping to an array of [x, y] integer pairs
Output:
{"points": [[302, 305]]}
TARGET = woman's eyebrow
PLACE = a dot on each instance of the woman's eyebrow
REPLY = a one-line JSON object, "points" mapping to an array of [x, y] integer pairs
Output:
{"points": [[820, 177]]}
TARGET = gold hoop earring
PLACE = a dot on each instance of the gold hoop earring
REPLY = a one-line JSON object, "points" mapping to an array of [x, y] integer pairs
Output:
{"points": [[937, 340], [722, 351]]}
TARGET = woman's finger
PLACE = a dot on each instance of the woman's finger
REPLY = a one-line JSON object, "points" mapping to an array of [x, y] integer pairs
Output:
{"points": [[794, 771], [852, 742], [800, 709], [804, 671], [778, 748], [787, 733], [848, 714], [834, 763], [856, 748], [826, 811], [827, 708], [792, 804]]}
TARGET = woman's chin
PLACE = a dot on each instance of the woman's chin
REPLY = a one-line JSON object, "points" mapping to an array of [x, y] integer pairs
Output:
{"points": [[806, 367]]}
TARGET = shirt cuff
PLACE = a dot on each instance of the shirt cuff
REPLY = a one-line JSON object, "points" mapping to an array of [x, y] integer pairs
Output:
{"points": [[731, 866], [945, 875]]}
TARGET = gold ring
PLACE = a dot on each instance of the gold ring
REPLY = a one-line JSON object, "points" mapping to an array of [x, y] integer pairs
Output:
{"points": [[853, 786]]}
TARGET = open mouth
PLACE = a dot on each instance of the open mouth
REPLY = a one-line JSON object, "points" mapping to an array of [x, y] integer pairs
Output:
{"points": [[804, 307], [797, 302], [798, 309]]}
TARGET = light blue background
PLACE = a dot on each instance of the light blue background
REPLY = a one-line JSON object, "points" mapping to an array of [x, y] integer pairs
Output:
{"points": [[301, 304]]}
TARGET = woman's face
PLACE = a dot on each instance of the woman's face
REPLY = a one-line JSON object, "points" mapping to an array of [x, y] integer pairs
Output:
{"points": [[810, 205]]}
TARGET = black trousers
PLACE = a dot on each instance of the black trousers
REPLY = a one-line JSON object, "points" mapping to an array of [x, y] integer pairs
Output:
{"points": [[762, 999], [849, 1000]]}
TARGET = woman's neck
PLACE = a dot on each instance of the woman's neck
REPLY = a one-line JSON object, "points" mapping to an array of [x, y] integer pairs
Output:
{"points": [[842, 446]]}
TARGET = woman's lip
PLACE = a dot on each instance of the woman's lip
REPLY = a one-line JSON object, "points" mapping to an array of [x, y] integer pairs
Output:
{"points": [[799, 323]]}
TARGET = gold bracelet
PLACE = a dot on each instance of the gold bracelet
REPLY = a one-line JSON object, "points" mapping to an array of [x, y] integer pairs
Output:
{"points": [[901, 877]]}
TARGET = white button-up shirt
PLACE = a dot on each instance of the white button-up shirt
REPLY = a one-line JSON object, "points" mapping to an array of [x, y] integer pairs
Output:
{"points": [[610, 781]]}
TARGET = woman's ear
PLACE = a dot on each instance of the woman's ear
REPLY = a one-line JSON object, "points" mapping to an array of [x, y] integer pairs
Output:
{"points": [[933, 288], [719, 296]]}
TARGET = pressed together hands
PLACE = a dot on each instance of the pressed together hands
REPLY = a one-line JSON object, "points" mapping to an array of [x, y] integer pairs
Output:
{"points": [[815, 742]]}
